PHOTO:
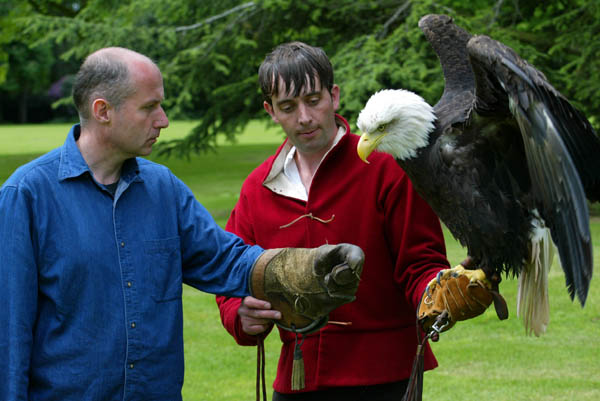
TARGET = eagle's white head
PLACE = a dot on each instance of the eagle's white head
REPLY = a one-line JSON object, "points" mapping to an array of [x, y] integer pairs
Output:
{"points": [[394, 121]]}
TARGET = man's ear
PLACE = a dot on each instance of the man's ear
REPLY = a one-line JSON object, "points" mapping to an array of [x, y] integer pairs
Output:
{"points": [[269, 108], [335, 97], [101, 110]]}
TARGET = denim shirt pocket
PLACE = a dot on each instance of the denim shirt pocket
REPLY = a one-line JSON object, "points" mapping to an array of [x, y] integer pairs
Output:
{"points": [[163, 261]]}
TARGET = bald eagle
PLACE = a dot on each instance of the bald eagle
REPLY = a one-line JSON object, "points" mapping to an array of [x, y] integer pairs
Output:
{"points": [[503, 159]]}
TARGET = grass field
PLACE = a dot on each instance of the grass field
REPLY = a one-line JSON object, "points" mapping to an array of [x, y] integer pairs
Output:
{"points": [[482, 359]]}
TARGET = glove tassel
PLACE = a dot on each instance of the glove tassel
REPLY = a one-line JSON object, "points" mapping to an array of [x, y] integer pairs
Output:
{"points": [[298, 366]]}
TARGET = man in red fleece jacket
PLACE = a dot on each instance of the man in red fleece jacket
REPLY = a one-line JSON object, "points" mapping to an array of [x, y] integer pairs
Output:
{"points": [[315, 190]]}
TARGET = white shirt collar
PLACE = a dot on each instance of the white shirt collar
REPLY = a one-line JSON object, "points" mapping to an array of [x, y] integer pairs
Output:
{"points": [[284, 177], [290, 170]]}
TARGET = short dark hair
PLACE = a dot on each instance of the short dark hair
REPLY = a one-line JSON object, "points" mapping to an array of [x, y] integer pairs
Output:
{"points": [[101, 75], [295, 63]]}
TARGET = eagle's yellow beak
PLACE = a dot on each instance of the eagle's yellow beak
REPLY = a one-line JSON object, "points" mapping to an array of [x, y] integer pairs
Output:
{"points": [[367, 144]]}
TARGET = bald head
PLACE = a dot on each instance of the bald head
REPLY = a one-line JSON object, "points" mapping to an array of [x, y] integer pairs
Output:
{"points": [[106, 74]]}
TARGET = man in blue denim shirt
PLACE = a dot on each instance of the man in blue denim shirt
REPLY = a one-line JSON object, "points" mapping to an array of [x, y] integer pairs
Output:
{"points": [[95, 244]]}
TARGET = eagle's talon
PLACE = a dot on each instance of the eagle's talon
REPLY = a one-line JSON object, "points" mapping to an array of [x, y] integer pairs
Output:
{"points": [[476, 277], [439, 276]]}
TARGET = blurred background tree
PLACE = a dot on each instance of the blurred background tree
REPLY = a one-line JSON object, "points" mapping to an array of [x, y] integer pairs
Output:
{"points": [[209, 52]]}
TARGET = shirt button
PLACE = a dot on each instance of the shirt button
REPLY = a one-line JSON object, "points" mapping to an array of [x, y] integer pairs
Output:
{"points": [[122, 244], [129, 284], [133, 325], [131, 366]]}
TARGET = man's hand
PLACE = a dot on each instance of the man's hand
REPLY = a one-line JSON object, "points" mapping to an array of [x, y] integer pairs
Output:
{"points": [[256, 315], [462, 293]]}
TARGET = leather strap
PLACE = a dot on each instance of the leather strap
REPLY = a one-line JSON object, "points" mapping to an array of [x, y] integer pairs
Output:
{"points": [[260, 368], [414, 389], [499, 305], [257, 276]]}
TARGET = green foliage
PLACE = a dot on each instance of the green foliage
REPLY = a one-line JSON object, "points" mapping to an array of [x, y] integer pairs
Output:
{"points": [[209, 52], [3, 66], [27, 67]]}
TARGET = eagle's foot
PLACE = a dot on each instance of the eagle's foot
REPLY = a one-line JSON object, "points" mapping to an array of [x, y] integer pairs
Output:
{"points": [[476, 277]]}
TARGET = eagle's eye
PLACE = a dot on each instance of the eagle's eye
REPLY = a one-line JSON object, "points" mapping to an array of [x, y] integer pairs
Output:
{"points": [[382, 127]]}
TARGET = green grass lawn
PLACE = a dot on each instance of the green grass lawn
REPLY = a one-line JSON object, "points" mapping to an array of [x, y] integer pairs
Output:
{"points": [[482, 359]]}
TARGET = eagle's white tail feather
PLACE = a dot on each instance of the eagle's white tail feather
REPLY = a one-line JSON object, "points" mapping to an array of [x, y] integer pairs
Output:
{"points": [[532, 298]]}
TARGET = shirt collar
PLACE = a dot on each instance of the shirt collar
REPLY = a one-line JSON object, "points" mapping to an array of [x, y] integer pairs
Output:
{"points": [[72, 164], [284, 177]]}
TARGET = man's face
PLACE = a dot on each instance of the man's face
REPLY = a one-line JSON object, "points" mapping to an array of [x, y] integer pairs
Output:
{"points": [[308, 119], [136, 125]]}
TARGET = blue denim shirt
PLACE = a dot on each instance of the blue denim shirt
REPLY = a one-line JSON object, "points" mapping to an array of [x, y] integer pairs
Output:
{"points": [[90, 302]]}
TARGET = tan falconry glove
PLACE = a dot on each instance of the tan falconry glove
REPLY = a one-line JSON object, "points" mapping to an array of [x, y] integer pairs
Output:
{"points": [[462, 293], [306, 284]]}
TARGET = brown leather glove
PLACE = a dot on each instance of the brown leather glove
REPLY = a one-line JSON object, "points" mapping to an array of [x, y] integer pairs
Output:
{"points": [[462, 293], [306, 284]]}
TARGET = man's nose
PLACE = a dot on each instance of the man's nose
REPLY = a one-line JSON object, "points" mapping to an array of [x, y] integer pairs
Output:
{"points": [[304, 115], [163, 120]]}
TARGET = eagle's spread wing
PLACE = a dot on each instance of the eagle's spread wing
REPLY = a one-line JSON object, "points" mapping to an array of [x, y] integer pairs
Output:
{"points": [[559, 144], [507, 158]]}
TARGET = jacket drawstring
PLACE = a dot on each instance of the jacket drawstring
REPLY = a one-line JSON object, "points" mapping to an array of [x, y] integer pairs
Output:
{"points": [[309, 215]]}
